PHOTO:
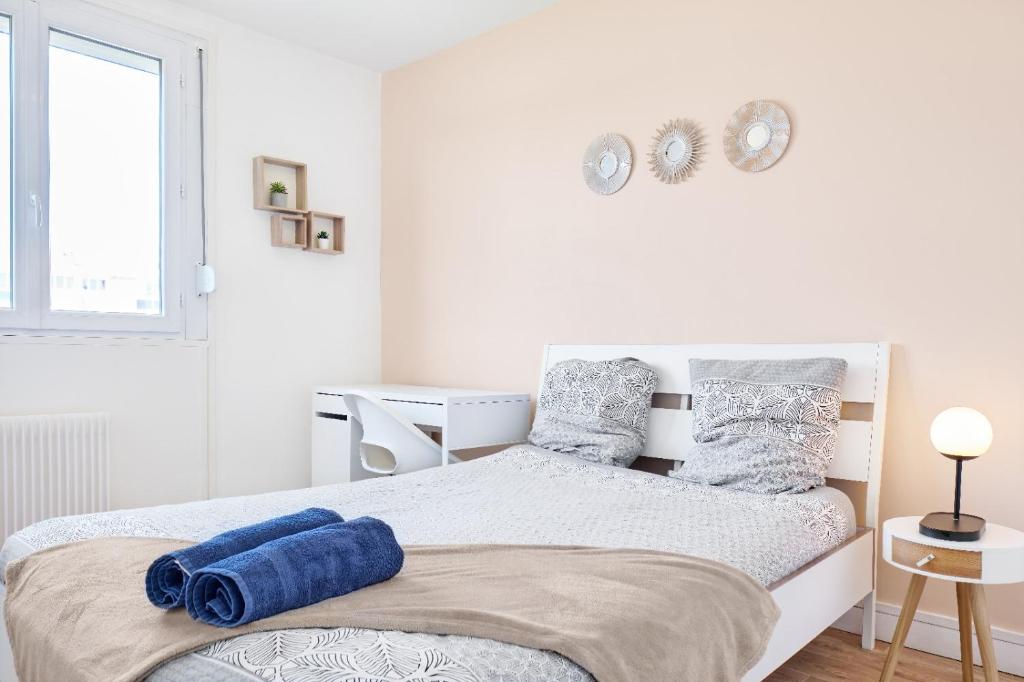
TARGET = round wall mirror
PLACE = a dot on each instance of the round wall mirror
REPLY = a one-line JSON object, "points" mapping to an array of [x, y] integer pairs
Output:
{"points": [[676, 150], [607, 163], [758, 136]]}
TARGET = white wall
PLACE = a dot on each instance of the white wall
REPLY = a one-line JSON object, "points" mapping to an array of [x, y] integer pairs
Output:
{"points": [[154, 391], [281, 320]]}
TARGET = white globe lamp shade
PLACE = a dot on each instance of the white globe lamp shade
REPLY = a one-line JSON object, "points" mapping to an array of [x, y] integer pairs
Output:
{"points": [[961, 432]]}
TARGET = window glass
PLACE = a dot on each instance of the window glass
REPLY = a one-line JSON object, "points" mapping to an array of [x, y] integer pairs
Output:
{"points": [[6, 232], [105, 178]]}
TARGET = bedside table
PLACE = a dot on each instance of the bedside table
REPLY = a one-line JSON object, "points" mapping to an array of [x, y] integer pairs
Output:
{"points": [[997, 558]]}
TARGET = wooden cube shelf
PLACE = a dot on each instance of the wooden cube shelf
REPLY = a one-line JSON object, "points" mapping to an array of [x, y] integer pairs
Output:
{"points": [[266, 169], [337, 231], [279, 231], [297, 217]]}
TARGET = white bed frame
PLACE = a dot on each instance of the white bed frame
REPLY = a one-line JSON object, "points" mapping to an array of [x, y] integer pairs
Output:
{"points": [[814, 597]]}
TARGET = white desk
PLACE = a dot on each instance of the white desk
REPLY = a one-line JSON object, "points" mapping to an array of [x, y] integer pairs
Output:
{"points": [[466, 418]]}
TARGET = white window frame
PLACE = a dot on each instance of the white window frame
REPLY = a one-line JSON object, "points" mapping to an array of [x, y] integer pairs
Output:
{"points": [[184, 312]]}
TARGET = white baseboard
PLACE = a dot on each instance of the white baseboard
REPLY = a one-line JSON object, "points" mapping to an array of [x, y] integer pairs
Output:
{"points": [[938, 635]]}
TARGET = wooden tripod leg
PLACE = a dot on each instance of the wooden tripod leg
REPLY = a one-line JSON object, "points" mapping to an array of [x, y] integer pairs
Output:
{"points": [[963, 608], [903, 625], [984, 631]]}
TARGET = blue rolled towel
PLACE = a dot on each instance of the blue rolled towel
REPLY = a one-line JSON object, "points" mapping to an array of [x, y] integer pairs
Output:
{"points": [[166, 577], [293, 572]]}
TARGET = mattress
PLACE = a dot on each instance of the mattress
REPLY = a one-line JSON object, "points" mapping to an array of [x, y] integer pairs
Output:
{"points": [[523, 495]]}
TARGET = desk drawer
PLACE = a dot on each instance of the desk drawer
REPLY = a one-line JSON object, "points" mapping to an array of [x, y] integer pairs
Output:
{"points": [[427, 414], [960, 563], [331, 404]]}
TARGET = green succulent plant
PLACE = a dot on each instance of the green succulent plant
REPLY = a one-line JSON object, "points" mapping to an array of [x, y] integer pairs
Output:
{"points": [[322, 234], [278, 188]]}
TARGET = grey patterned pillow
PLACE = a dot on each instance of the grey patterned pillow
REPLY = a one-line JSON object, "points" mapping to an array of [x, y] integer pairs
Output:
{"points": [[764, 426], [596, 411]]}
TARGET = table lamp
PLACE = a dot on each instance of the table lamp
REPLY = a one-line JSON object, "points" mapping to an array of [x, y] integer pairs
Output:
{"points": [[960, 434]]}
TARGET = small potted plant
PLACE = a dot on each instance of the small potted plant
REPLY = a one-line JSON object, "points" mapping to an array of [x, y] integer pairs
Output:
{"points": [[278, 195], [323, 240]]}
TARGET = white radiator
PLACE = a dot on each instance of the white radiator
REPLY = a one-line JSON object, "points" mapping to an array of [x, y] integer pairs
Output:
{"points": [[53, 465]]}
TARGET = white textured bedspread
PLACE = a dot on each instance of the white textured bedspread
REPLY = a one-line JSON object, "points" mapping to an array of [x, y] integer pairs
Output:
{"points": [[523, 495]]}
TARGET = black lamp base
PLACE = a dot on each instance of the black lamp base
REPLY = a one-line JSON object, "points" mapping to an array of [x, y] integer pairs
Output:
{"points": [[944, 526]]}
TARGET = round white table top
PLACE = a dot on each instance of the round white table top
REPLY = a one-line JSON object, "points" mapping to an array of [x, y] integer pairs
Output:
{"points": [[998, 556], [994, 537]]}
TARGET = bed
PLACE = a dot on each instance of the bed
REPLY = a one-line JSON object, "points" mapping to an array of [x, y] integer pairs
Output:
{"points": [[794, 545]]}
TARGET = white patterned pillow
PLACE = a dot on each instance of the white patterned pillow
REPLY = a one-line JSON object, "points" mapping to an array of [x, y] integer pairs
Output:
{"points": [[596, 411], [764, 426]]}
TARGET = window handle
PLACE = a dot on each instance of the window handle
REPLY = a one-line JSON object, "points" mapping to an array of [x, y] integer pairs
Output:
{"points": [[37, 206]]}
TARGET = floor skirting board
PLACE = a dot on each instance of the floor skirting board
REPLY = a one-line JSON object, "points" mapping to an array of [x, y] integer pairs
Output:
{"points": [[939, 635]]}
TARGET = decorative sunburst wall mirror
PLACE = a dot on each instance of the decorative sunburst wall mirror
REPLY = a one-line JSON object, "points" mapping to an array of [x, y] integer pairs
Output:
{"points": [[607, 163], [756, 135], [677, 149]]}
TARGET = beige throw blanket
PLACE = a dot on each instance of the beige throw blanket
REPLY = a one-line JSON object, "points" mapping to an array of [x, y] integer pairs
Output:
{"points": [[79, 611]]}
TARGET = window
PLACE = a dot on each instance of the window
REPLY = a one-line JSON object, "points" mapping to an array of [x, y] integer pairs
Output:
{"points": [[6, 233], [104, 123], [98, 226]]}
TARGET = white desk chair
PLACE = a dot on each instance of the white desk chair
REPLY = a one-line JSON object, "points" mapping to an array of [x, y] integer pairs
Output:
{"points": [[391, 443]]}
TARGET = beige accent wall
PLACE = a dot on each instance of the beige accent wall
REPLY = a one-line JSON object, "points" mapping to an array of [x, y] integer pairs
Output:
{"points": [[894, 215]]}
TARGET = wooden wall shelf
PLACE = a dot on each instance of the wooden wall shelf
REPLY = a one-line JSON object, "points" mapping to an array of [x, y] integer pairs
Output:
{"points": [[295, 238], [294, 226], [315, 221], [267, 169]]}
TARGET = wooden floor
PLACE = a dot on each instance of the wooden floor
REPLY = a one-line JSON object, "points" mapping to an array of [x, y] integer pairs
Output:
{"points": [[837, 655]]}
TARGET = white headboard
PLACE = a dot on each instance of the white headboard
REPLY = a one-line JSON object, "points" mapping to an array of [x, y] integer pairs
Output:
{"points": [[859, 455]]}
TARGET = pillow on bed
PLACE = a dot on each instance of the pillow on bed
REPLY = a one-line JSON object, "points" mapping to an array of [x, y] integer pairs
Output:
{"points": [[764, 426], [596, 411]]}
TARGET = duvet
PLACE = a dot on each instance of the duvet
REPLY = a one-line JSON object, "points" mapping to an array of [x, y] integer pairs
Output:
{"points": [[523, 496]]}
